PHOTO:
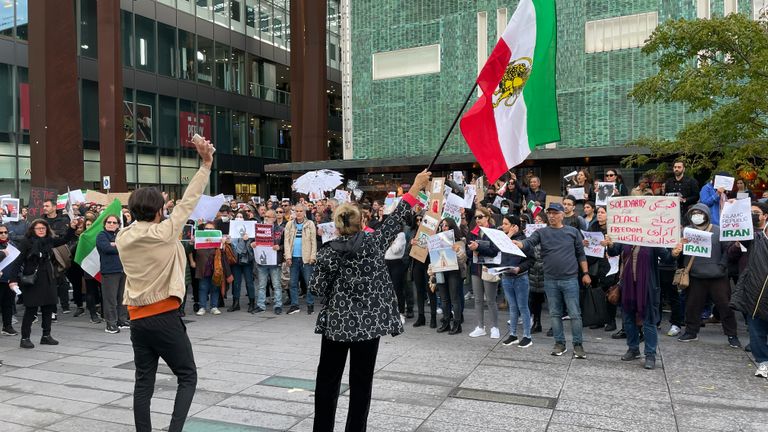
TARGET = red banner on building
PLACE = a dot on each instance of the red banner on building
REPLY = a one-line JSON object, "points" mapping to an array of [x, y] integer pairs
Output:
{"points": [[191, 124]]}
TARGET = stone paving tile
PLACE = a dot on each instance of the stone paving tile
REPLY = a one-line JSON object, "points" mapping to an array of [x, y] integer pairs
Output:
{"points": [[53, 404], [388, 407], [28, 416], [43, 375], [441, 426], [611, 423], [535, 383], [14, 427], [279, 393], [621, 409], [125, 416], [158, 405], [80, 424], [295, 409], [498, 420], [251, 418]]}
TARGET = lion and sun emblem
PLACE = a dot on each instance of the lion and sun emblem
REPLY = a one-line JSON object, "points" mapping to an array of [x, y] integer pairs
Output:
{"points": [[513, 81]]}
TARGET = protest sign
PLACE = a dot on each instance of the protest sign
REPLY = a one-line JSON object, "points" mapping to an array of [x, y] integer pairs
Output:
{"points": [[604, 191], [12, 254], [208, 239], [455, 200], [594, 249], [427, 228], [577, 193], [437, 185], [447, 191], [530, 228], [553, 199], [451, 211], [207, 208], [442, 257], [239, 227], [264, 253], [724, 182], [38, 195], [458, 177], [497, 201], [614, 262], [502, 241], [469, 196], [652, 221], [273, 198], [436, 202], [440, 240], [187, 233], [742, 195], [699, 243], [358, 194], [480, 259], [341, 196], [352, 184], [736, 221], [328, 231], [390, 202], [11, 209], [480, 188]]}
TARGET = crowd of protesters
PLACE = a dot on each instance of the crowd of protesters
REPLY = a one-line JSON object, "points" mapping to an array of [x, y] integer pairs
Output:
{"points": [[723, 288]]}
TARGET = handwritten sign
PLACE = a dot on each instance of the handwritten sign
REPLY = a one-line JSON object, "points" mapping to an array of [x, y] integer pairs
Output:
{"points": [[652, 221], [736, 221], [577, 192], [440, 240], [37, 197], [341, 196], [594, 249], [427, 228], [724, 182], [451, 211], [530, 228], [699, 243], [264, 239]]}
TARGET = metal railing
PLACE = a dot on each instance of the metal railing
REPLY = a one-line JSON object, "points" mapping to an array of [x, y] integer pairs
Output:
{"points": [[269, 93]]}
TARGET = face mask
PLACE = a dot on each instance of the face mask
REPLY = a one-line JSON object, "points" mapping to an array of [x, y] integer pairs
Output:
{"points": [[756, 220], [697, 219], [225, 218], [239, 218], [504, 210]]}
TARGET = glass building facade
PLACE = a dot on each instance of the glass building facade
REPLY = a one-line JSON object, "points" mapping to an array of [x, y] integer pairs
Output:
{"points": [[219, 67]]}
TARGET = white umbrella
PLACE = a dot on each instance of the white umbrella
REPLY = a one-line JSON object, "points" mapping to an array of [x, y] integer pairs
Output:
{"points": [[317, 181]]}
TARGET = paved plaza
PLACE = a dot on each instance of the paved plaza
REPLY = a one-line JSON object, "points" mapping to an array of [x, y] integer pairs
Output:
{"points": [[256, 373]]}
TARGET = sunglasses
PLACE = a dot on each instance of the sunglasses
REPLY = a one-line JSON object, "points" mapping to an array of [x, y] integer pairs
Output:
{"points": [[479, 216], [3, 232], [111, 223], [610, 175]]}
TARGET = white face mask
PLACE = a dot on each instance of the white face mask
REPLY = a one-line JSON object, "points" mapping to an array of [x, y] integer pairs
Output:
{"points": [[225, 218], [697, 219], [239, 217]]}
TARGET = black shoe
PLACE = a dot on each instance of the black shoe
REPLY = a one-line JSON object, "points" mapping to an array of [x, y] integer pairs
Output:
{"points": [[251, 306], [550, 332], [112, 329], [596, 326], [9, 331], [26, 343], [510, 340], [610, 327], [631, 355], [123, 324], [65, 310], [48, 340], [433, 322], [409, 314], [650, 362], [196, 307], [80, 311], [310, 309], [748, 348], [455, 328], [734, 342], [95, 319], [687, 337], [536, 327], [420, 321], [235, 306], [278, 311], [621, 334], [445, 325], [257, 309], [293, 309], [525, 342]]}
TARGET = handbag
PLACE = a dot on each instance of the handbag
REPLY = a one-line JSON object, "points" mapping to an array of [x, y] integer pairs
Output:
{"points": [[593, 306], [488, 277], [682, 279], [30, 279]]}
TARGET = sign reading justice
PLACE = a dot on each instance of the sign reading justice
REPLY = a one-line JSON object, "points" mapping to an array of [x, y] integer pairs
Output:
{"points": [[652, 221]]}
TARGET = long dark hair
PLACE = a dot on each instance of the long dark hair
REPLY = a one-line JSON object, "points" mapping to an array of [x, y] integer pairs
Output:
{"points": [[452, 225], [31, 230]]}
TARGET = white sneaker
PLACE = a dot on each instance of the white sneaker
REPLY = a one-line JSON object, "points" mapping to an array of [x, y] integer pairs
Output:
{"points": [[439, 311], [673, 330], [215, 311], [762, 370], [200, 312], [495, 333], [402, 319], [477, 332], [14, 320]]}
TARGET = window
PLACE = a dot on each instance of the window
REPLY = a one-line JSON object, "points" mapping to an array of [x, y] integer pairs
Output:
{"points": [[239, 133], [168, 123], [126, 30], [145, 44], [6, 98], [406, 62], [501, 22], [88, 29], [22, 18], [223, 72], [89, 99], [730, 6], [205, 9], [166, 50], [702, 9], [482, 40], [237, 21], [221, 12], [238, 71], [254, 136], [186, 56], [251, 6], [204, 60], [617, 33], [224, 131], [265, 21]]}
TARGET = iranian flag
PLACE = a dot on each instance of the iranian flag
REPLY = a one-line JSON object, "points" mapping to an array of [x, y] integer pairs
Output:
{"points": [[87, 256], [208, 239], [518, 108]]}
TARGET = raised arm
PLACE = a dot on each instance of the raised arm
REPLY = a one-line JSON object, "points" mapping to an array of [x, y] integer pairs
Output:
{"points": [[394, 223]]}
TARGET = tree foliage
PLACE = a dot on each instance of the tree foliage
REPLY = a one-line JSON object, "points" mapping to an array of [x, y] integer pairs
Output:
{"points": [[717, 68]]}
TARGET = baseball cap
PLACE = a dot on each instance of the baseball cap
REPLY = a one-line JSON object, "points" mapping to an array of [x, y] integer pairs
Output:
{"points": [[556, 207]]}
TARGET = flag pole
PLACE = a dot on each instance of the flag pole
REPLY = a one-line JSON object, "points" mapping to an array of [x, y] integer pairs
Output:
{"points": [[453, 125]]}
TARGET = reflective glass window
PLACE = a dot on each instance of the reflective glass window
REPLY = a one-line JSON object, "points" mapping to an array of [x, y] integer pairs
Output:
{"points": [[126, 39], [22, 18], [166, 50], [223, 71], [236, 16], [205, 9], [88, 29], [238, 71], [186, 55], [204, 60], [168, 123], [224, 132], [6, 98], [145, 44]]}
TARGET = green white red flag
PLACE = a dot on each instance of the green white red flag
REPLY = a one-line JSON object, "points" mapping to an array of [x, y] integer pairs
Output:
{"points": [[87, 256], [208, 239]]}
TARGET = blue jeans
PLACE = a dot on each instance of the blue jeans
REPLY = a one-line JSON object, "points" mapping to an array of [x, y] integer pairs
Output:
{"points": [[300, 269], [516, 291], [240, 271], [758, 338], [564, 292], [272, 272], [206, 287], [649, 332]]}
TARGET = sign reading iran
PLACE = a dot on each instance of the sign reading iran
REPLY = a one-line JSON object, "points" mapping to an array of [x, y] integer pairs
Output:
{"points": [[736, 221], [644, 221], [518, 107]]}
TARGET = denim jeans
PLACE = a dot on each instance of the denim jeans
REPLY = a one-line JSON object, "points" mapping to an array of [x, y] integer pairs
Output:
{"points": [[240, 271], [758, 333], [649, 332], [300, 269], [206, 287], [516, 291], [272, 272], [564, 292]]}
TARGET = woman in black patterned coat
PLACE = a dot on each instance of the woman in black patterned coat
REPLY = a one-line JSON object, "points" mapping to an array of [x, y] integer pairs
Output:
{"points": [[359, 307]]}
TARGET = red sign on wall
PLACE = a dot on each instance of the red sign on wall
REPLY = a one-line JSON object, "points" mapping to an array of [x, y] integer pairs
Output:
{"points": [[191, 124]]}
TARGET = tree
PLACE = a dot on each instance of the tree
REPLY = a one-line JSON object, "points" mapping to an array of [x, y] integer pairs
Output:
{"points": [[717, 68]]}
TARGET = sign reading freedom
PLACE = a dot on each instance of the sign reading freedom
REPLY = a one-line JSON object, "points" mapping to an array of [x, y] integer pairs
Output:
{"points": [[652, 221]]}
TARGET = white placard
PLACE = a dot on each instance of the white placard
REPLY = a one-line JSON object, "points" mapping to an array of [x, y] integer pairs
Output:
{"points": [[76, 196], [11, 208], [352, 184], [469, 196], [458, 177], [501, 241], [341, 196], [273, 198], [455, 200], [328, 231], [238, 227], [207, 208], [498, 270], [481, 259], [531, 228], [106, 183], [699, 243], [497, 201], [358, 194], [13, 253], [451, 211], [724, 182], [594, 249], [605, 190], [577, 192], [741, 195], [736, 221], [440, 240], [652, 221], [265, 255], [614, 262]]}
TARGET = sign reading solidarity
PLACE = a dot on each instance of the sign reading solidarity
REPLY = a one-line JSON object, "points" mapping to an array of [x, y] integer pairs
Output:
{"points": [[699, 243], [736, 221], [652, 221]]}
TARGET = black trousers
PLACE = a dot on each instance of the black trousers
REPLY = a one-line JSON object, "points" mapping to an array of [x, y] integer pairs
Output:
{"points": [[92, 295], [719, 290], [7, 296], [333, 358], [450, 294], [397, 274], [422, 291], [75, 277], [62, 284], [672, 296], [165, 336], [29, 315], [535, 301]]}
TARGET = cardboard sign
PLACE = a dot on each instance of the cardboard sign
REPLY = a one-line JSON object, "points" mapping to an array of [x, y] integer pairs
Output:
{"points": [[605, 190], [37, 196], [652, 221], [736, 221], [724, 182], [553, 199], [480, 188], [427, 228], [699, 243], [11, 209], [594, 249], [530, 228]]}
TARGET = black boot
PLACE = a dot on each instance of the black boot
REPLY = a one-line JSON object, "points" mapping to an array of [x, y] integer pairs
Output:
{"points": [[536, 327], [420, 321], [48, 340], [445, 325], [235, 305], [455, 328], [251, 305], [433, 321]]}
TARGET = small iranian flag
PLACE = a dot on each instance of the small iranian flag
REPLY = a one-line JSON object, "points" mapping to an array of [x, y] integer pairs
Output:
{"points": [[533, 208], [61, 201], [518, 108], [87, 256], [208, 239]]}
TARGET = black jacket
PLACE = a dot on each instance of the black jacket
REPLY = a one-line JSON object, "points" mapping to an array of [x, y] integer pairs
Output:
{"points": [[509, 260], [687, 187], [751, 293], [36, 254], [486, 248]]}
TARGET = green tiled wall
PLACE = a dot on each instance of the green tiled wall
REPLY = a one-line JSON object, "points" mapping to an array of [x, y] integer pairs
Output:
{"points": [[408, 116]]}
